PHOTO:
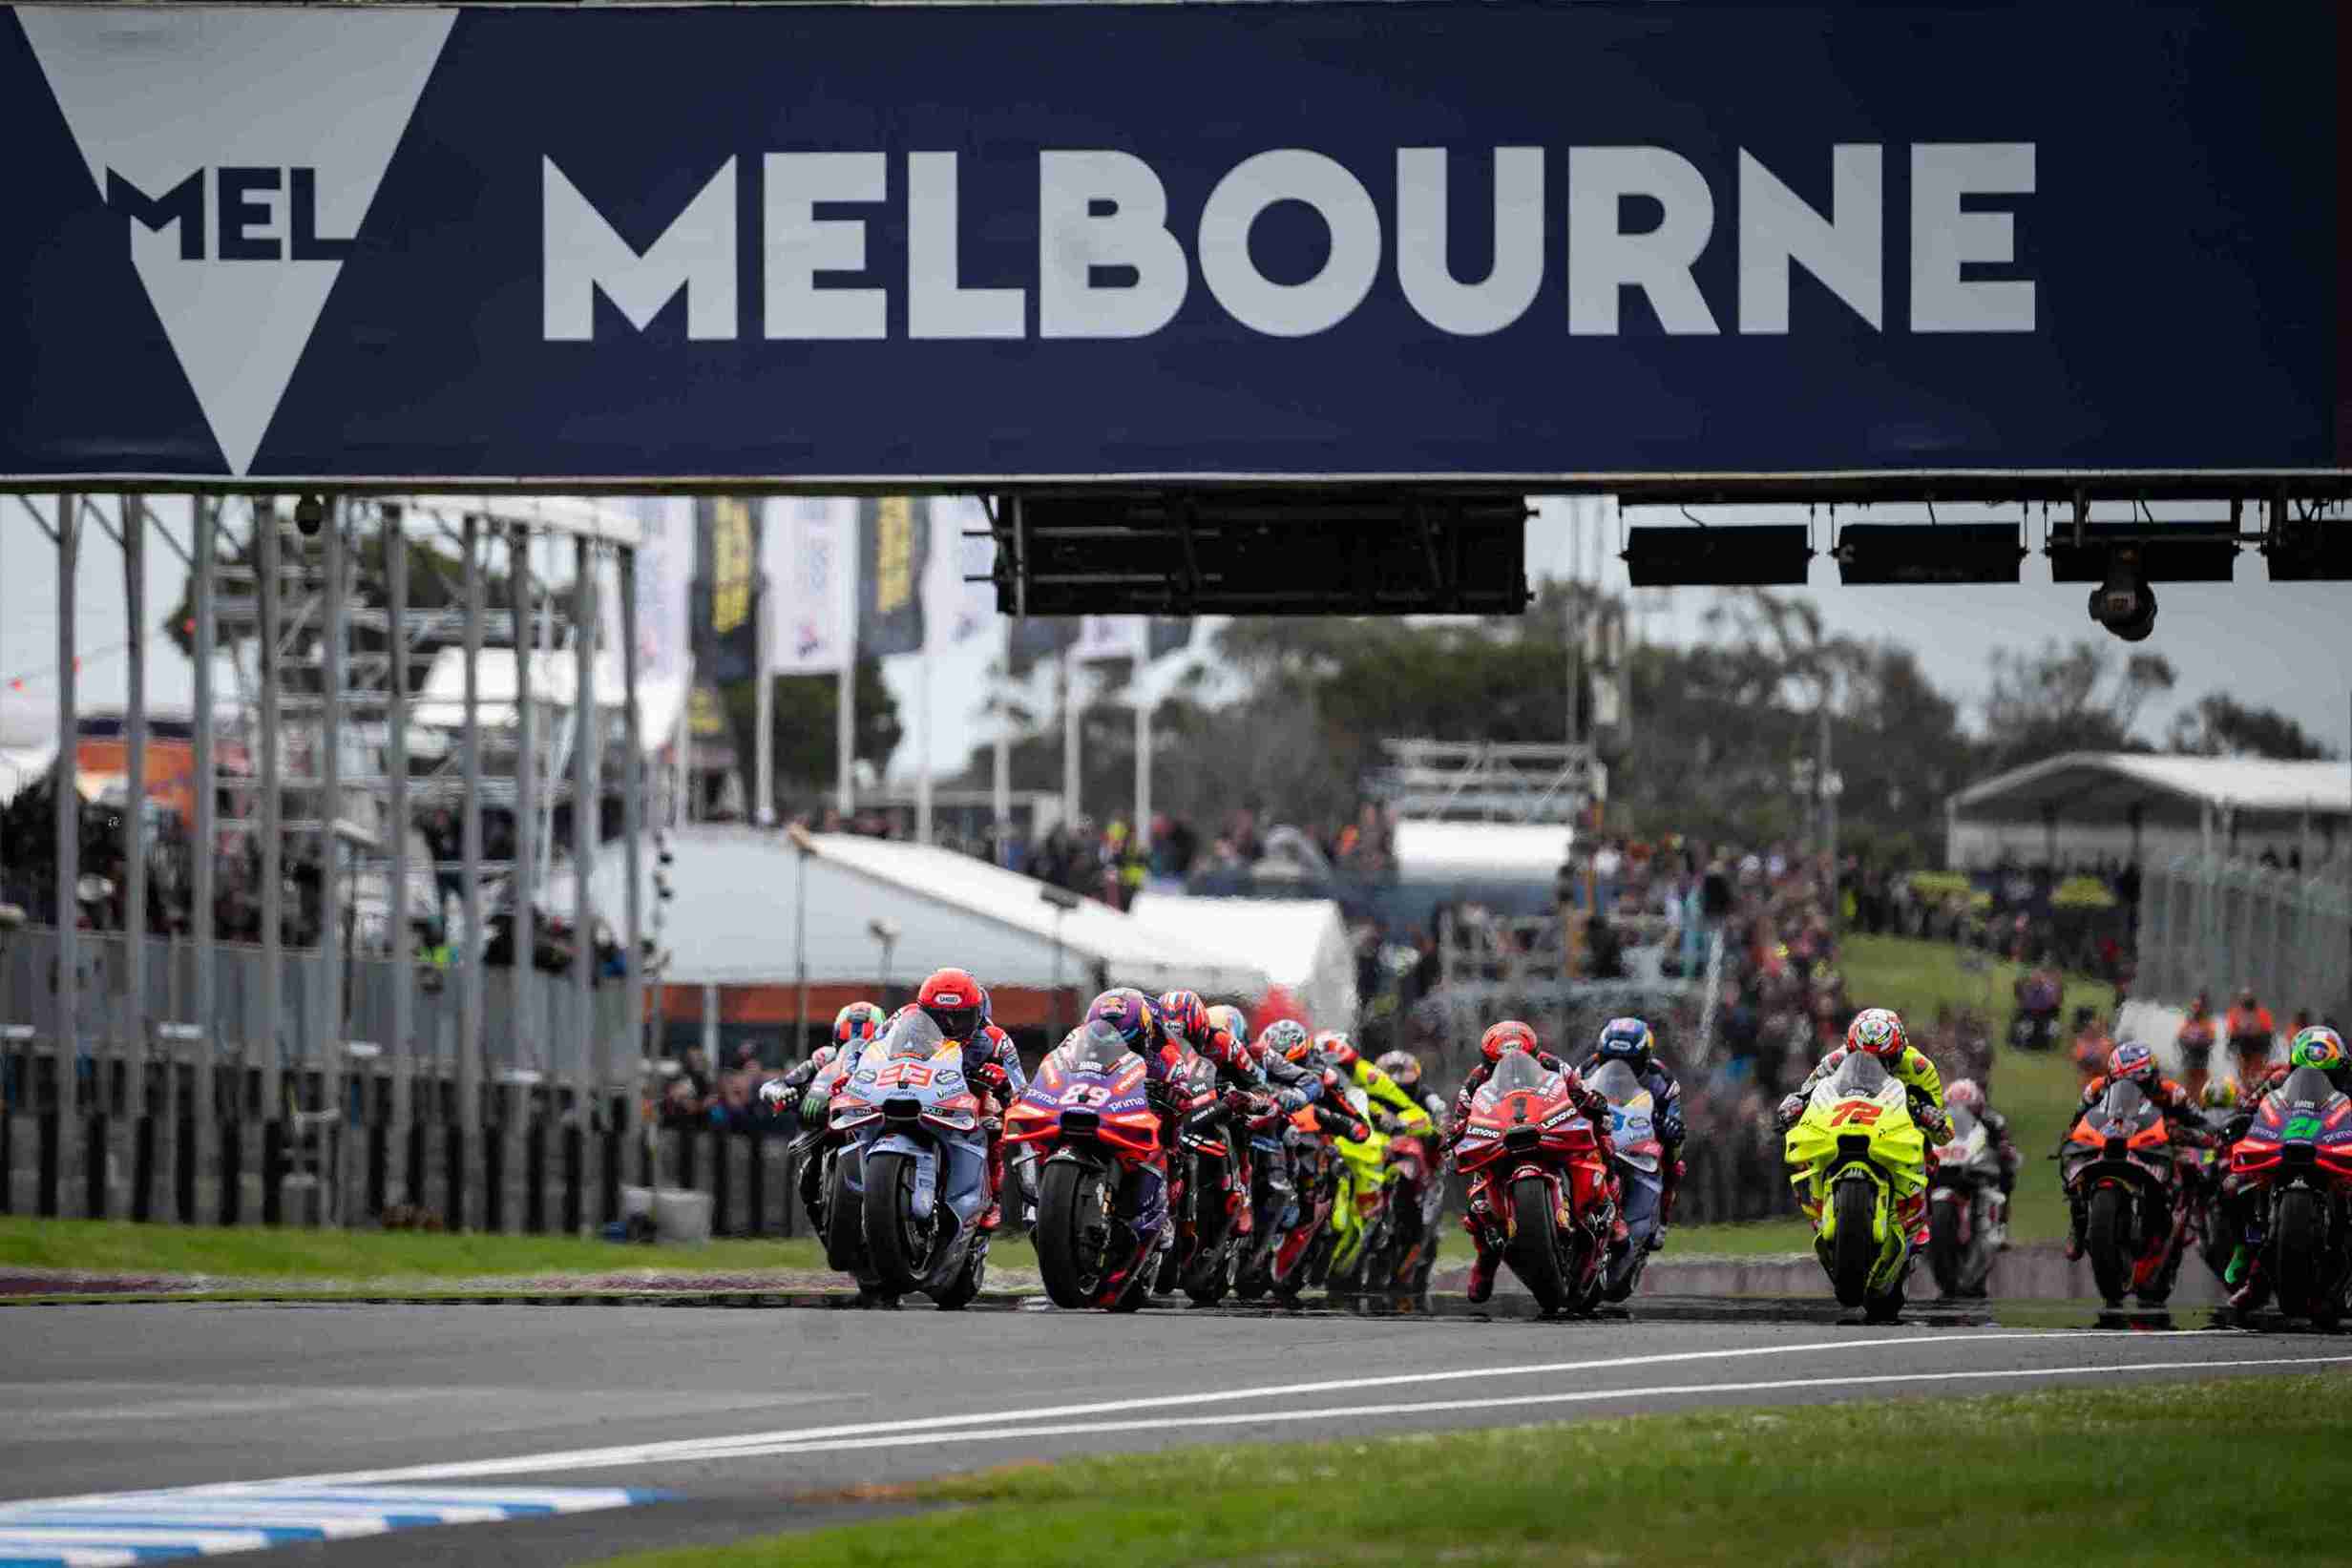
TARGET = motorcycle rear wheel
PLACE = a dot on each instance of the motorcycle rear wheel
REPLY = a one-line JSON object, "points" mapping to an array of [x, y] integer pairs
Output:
{"points": [[845, 1219], [2105, 1237], [1854, 1252], [1535, 1251], [1070, 1206]]}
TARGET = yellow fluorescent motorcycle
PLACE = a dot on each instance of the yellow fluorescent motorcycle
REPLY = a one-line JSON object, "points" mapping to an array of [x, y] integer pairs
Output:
{"points": [[1855, 1156]]}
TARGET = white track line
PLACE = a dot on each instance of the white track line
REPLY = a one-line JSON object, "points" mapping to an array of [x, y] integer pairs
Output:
{"points": [[703, 1449], [1434, 1407]]}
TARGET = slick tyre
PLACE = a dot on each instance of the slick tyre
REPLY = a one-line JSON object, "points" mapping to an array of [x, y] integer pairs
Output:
{"points": [[897, 1242], [1535, 1251], [2106, 1238], [845, 1219], [2295, 1261], [968, 1281], [1854, 1252], [1073, 1232], [1944, 1248]]}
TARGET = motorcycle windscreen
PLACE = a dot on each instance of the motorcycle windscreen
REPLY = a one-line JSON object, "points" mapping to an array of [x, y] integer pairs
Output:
{"points": [[1096, 1047], [1615, 1082], [2307, 1086], [1516, 1071], [914, 1038], [1861, 1076], [2124, 1105]]}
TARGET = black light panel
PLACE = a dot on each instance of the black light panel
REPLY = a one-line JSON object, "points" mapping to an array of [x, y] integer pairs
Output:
{"points": [[1766, 555], [1884, 554], [2311, 552], [2169, 552]]}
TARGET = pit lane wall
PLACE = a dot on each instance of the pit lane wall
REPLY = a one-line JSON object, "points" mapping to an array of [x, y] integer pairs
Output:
{"points": [[959, 243]]}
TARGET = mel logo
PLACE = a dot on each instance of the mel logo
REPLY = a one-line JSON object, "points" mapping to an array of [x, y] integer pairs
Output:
{"points": [[239, 151]]}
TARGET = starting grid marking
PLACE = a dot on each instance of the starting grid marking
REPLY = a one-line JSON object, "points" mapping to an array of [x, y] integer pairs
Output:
{"points": [[137, 1527]]}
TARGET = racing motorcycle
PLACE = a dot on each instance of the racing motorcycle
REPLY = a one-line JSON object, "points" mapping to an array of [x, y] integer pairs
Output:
{"points": [[910, 1183], [2123, 1177], [816, 1147], [1087, 1115], [1538, 1186], [1294, 1186], [2298, 1154], [1858, 1158], [1965, 1224], [1415, 1202], [1362, 1224], [1633, 1128], [1209, 1188]]}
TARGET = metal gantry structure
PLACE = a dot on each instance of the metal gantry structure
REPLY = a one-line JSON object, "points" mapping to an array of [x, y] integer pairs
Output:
{"points": [[334, 1018]]}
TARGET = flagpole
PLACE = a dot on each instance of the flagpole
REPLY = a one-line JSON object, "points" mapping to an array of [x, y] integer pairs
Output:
{"points": [[1069, 738], [763, 708], [844, 705], [946, 562]]}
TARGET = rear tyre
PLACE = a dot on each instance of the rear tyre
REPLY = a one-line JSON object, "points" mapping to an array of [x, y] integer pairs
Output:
{"points": [[1943, 1250], [897, 1242], [1073, 1231], [1854, 1250], [2294, 1257], [2105, 1234], [845, 1219], [968, 1281], [1535, 1251]]}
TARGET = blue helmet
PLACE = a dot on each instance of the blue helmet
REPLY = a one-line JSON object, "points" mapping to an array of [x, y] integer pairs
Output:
{"points": [[1627, 1040]]}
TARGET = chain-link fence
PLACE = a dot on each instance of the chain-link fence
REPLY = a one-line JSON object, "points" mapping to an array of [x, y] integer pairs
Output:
{"points": [[2216, 925]]}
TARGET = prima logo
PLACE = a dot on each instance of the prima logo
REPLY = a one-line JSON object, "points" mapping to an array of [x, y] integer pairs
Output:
{"points": [[240, 152]]}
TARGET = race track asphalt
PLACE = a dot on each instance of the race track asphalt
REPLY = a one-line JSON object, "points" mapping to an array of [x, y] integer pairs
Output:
{"points": [[758, 1420]]}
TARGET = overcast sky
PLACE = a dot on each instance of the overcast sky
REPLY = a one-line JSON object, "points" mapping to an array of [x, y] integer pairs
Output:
{"points": [[2287, 646]]}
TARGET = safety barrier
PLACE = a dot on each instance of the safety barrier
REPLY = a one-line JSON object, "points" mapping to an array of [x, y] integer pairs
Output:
{"points": [[2215, 924]]}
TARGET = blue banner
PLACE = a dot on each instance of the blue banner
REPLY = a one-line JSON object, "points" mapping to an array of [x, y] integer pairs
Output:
{"points": [[973, 244]]}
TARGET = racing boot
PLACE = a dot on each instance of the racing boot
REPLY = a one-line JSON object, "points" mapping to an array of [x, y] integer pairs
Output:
{"points": [[1482, 1284], [993, 1216]]}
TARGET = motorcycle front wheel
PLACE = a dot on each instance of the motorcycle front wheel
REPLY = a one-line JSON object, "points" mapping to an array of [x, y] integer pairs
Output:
{"points": [[1074, 1229], [1943, 1249], [1854, 1252], [845, 1219], [2296, 1252], [898, 1243], [2107, 1238], [1535, 1251]]}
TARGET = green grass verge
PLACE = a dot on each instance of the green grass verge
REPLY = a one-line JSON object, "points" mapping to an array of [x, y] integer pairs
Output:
{"points": [[2070, 1477]]}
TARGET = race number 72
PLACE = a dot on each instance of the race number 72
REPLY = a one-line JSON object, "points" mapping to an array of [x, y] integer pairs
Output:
{"points": [[1861, 1112]]}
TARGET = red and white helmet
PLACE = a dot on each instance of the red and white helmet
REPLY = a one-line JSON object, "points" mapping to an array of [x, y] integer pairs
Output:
{"points": [[1965, 1095], [1878, 1031], [1511, 1034], [955, 1003]]}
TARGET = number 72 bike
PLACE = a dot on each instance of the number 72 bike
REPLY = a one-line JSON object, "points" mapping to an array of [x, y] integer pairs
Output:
{"points": [[1535, 1173], [1859, 1167]]}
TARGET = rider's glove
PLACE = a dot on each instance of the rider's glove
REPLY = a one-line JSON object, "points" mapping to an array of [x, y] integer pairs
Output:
{"points": [[813, 1104], [1789, 1110], [992, 1076], [1932, 1118], [773, 1095]]}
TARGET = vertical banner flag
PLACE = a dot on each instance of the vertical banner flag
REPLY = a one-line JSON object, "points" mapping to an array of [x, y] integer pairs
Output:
{"points": [[893, 547], [961, 551], [807, 569], [726, 591], [664, 586]]}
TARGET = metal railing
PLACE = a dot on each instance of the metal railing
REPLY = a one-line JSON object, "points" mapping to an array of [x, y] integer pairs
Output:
{"points": [[2214, 924]]}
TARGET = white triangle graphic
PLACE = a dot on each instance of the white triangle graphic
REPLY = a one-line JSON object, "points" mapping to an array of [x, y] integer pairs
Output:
{"points": [[157, 95]]}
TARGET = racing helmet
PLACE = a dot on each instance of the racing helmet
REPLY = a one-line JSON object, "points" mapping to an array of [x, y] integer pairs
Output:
{"points": [[1335, 1047], [823, 1056], [1511, 1034], [859, 1021], [1965, 1095], [1130, 1013], [1877, 1032], [2135, 1062], [2319, 1047], [1403, 1067], [955, 1001], [1283, 1038], [1184, 1015], [2220, 1094], [1627, 1040], [1231, 1019]]}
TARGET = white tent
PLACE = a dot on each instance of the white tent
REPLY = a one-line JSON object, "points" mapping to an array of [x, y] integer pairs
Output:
{"points": [[1302, 944], [554, 679], [733, 918]]}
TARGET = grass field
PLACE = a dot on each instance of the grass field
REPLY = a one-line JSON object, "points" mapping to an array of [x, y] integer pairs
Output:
{"points": [[2077, 1476]]}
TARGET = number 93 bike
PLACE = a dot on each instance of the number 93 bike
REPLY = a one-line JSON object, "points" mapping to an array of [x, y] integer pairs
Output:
{"points": [[1860, 1174], [912, 1179]]}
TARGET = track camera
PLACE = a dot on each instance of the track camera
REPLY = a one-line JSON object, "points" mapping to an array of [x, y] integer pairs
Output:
{"points": [[309, 516], [2124, 604]]}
